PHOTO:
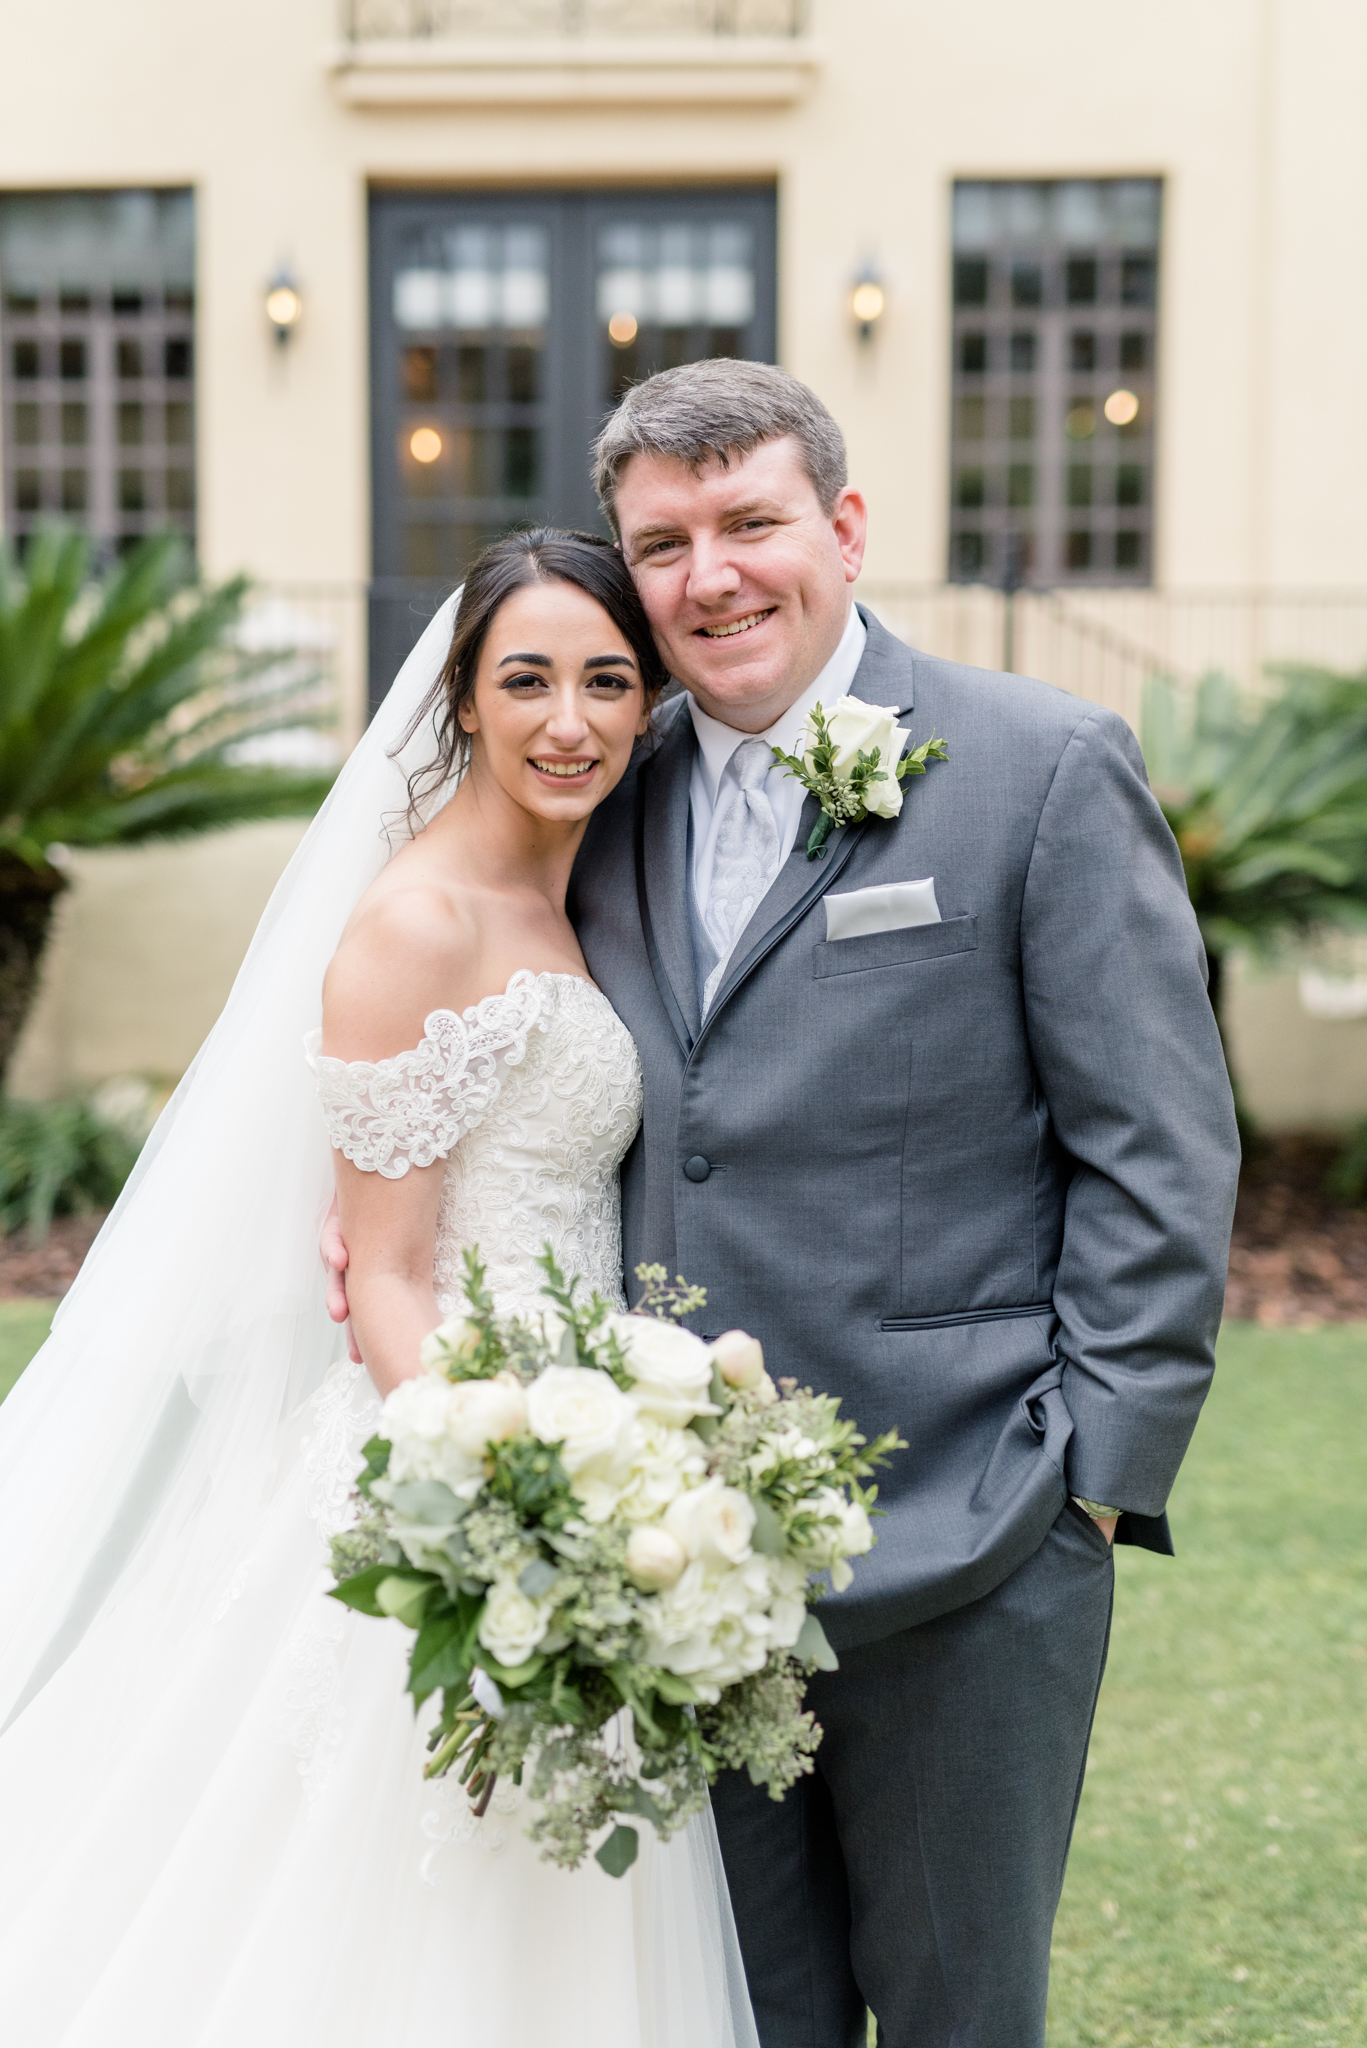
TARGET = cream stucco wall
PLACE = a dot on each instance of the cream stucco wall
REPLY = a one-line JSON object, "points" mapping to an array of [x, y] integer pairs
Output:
{"points": [[1250, 110]]}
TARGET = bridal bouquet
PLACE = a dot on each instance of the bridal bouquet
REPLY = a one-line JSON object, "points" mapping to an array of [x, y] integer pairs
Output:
{"points": [[580, 1512]]}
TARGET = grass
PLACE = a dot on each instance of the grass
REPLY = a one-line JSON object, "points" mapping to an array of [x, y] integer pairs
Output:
{"points": [[1217, 1893], [23, 1326]]}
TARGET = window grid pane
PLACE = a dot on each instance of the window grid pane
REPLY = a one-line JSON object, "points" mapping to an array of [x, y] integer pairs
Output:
{"points": [[97, 364], [1055, 289]]}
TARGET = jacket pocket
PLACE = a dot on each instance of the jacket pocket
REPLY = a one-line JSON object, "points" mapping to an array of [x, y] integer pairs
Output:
{"points": [[968, 1315], [903, 948]]}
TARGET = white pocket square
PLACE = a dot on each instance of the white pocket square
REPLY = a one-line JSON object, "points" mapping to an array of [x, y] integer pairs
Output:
{"points": [[890, 907]]}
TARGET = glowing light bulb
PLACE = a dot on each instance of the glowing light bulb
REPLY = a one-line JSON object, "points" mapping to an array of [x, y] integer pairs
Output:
{"points": [[622, 330], [283, 306], [1121, 407], [424, 444], [867, 302]]}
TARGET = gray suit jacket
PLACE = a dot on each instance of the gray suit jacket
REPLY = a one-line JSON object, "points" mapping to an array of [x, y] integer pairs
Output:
{"points": [[976, 1177]]}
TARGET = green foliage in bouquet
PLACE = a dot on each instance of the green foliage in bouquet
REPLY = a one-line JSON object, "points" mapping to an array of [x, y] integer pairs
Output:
{"points": [[580, 1513]]}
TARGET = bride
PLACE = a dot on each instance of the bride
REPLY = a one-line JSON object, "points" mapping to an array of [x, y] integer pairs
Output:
{"points": [[216, 1829]]}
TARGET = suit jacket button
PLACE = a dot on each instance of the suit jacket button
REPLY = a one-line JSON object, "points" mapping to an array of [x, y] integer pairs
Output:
{"points": [[697, 1168]]}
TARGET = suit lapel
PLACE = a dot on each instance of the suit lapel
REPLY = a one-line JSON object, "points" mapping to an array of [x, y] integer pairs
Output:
{"points": [[885, 676], [662, 802]]}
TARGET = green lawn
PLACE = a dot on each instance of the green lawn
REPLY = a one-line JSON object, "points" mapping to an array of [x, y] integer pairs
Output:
{"points": [[1217, 1895], [1217, 1892], [23, 1326]]}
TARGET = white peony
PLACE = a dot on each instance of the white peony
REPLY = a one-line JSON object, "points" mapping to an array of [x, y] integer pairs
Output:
{"points": [[484, 1412], [582, 1410], [855, 728], [511, 1625], [740, 1360], [655, 1559], [713, 1522], [672, 1368]]}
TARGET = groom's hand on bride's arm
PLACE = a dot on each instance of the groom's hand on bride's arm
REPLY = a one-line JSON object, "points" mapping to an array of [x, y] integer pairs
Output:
{"points": [[333, 1252]]}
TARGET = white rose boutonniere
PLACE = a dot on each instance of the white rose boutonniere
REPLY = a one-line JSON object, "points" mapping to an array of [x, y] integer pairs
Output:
{"points": [[854, 761]]}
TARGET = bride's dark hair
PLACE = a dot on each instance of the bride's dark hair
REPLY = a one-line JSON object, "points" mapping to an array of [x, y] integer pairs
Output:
{"points": [[547, 554]]}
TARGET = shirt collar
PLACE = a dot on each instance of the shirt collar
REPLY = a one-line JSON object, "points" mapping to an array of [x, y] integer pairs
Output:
{"points": [[718, 742]]}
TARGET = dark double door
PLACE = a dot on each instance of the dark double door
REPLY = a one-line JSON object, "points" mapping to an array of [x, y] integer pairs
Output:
{"points": [[504, 327]]}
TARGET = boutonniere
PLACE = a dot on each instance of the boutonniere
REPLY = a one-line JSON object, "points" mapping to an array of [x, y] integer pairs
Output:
{"points": [[854, 761]]}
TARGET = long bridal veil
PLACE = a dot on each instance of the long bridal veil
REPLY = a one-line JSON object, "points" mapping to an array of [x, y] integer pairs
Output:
{"points": [[145, 1430], [143, 1444]]}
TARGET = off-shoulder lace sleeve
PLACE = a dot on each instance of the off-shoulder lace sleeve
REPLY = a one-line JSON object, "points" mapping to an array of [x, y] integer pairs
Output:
{"points": [[413, 1109]]}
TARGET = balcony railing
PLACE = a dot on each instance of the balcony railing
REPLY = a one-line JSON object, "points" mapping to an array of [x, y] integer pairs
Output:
{"points": [[366, 21]]}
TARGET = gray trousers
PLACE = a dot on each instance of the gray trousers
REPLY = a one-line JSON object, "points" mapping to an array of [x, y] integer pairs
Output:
{"points": [[918, 1870]]}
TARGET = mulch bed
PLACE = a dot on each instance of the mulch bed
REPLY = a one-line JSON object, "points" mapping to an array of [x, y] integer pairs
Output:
{"points": [[42, 1272], [1298, 1258]]}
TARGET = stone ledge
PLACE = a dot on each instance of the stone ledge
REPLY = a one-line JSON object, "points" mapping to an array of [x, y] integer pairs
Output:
{"points": [[582, 71]]}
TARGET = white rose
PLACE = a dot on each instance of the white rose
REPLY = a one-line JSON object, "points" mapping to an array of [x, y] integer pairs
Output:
{"points": [[511, 1625], [855, 728], [713, 1522], [672, 1368], [483, 1412], [655, 1559], [740, 1360], [582, 1410]]}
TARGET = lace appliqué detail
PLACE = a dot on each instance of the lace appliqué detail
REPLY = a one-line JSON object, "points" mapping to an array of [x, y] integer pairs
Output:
{"points": [[344, 1410], [452, 1823], [411, 1110], [541, 1168]]}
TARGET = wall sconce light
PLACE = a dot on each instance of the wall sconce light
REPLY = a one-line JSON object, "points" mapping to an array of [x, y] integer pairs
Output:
{"points": [[284, 305], [867, 300]]}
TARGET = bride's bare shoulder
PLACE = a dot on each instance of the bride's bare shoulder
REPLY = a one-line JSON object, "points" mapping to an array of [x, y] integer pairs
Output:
{"points": [[412, 945]]}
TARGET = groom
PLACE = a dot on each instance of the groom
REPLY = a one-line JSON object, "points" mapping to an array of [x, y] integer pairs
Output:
{"points": [[962, 1153]]}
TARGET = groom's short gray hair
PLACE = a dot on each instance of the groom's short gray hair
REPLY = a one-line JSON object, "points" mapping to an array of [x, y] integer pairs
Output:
{"points": [[719, 408]]}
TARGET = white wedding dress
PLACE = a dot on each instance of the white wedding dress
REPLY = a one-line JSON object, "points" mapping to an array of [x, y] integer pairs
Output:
{"points": [[234, 1847]]}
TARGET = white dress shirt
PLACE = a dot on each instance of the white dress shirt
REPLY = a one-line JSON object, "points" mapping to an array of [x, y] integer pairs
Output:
{"points": [[718, 742]]}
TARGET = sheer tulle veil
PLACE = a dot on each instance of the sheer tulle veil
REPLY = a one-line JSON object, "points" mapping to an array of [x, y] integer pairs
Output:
{"points": [[142, 1440]]}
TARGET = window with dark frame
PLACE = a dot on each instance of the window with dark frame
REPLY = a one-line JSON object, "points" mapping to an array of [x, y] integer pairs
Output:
{"points": [[97, 364], [1055, 290]]}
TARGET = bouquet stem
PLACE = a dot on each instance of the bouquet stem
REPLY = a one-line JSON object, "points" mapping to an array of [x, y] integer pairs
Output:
{"points": [[820, 833]]}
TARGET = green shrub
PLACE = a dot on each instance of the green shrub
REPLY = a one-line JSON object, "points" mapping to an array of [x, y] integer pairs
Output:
{"points": [[1346, 1179], [58, 1159]]}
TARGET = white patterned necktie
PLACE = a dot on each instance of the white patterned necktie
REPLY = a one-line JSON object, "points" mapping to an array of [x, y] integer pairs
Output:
{"points": [[745, 858]]}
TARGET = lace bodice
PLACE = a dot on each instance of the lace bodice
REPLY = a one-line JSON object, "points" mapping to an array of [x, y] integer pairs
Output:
{"points": [[532, 1098]]}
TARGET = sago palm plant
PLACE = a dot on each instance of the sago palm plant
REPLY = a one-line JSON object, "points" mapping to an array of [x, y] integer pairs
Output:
{"points": [[123, 704], [1267, 798]]}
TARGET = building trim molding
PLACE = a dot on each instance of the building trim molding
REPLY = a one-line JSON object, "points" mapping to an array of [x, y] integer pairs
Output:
{"points": [[576, 72]]}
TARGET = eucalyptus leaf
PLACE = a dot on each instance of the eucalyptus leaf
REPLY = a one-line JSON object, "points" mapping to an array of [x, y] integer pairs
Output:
{"points": [[424, 1500], [619, 1851], [767, 1536], [404, 1598], [812, 1647], [537, 1578]]}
